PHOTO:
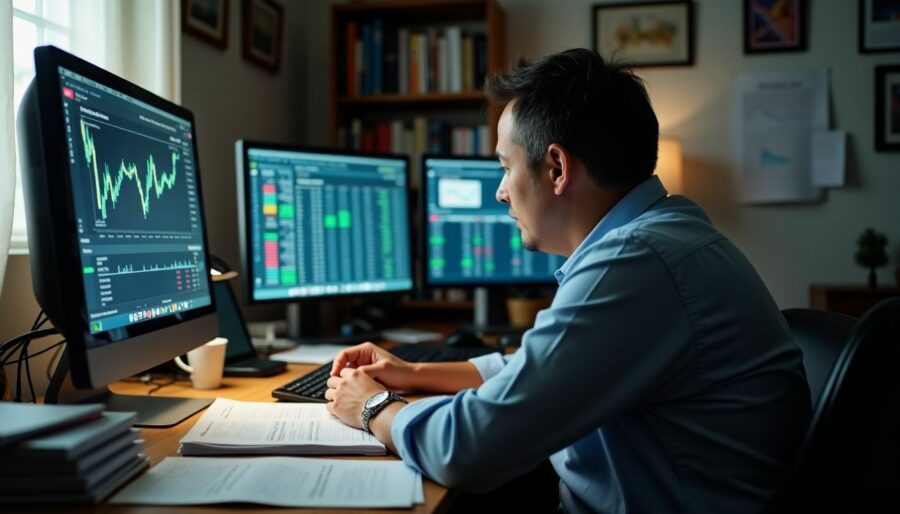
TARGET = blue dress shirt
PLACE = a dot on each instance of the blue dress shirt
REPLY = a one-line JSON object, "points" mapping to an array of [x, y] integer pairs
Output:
{"points": [[662, 378]]}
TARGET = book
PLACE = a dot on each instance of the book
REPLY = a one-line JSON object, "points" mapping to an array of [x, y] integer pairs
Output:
{"points": [[74, 442], [24, 420], [100, 492], [53, 482], [38, 466], [231, 427]]}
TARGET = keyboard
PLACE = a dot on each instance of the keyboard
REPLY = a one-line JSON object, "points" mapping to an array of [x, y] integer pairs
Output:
{"points": [[311, 386]]}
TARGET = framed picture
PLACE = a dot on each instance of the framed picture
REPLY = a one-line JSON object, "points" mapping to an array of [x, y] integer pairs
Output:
{"points": [[206, 20], [263, 27], [879, 26], [645, 34], [887, 108], [774, 26]]}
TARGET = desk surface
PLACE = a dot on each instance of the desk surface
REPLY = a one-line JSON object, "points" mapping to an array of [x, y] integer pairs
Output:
{"points": [[161, 443]]}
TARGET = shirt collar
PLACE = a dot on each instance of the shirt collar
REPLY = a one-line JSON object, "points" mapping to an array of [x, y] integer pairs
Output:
{"points": [[632, 205]]}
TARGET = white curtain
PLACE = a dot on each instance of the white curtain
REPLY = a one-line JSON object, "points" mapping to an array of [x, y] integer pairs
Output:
{"points": [[144, 44], [7, 136]]}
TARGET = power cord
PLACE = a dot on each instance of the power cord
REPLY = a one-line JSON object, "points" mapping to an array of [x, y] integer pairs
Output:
{"points": [[21, 343]]}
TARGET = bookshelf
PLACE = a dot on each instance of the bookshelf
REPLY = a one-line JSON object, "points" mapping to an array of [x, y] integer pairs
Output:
{"points": [[403, 67]]}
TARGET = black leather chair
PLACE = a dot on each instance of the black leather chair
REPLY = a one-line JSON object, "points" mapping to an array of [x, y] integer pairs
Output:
{"points": [[857, 397], [821, 336]]}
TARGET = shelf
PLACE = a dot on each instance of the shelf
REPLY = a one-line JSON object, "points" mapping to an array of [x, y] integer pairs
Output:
{"points": [[417, 10], [442, 305], [468, 98]]}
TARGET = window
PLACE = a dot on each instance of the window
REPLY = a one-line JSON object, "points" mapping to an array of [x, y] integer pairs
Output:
{"points": [[35, 23]]}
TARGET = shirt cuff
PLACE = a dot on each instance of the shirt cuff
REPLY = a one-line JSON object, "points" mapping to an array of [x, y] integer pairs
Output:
{"points": [[488, 365]]}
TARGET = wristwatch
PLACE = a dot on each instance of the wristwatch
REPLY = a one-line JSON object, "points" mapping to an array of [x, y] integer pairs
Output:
{"points": [[374, 405]]}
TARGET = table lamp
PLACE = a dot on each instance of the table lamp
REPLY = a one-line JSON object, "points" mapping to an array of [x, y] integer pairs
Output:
{"points": [[668, 165]]}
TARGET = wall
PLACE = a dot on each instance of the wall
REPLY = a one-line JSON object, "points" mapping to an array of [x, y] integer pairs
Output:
{"points": [[790, 245], [231, 98]]}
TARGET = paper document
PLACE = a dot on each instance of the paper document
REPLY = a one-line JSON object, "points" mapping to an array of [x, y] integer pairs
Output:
{"points": [[829, 158], [230, 427], [279, 481], [775, 115], [310, 353]]}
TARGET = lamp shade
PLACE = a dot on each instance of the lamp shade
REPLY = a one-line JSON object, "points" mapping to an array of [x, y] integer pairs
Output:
{"points": [[668, 165]]}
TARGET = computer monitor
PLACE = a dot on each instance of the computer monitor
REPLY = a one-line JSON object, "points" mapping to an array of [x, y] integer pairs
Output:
{"points": [[470, 239], [116, 228], [318, 223]]}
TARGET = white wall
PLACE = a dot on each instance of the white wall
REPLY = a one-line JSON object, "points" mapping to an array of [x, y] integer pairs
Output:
{"points": [[232, 99], [790, 245]]}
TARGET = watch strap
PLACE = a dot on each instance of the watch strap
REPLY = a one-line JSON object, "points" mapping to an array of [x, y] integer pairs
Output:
{"points": [[370, 412]]}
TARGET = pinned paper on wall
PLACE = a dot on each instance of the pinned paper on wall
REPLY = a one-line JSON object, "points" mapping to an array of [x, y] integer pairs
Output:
{"points": [[828, 159], [775, 117]]}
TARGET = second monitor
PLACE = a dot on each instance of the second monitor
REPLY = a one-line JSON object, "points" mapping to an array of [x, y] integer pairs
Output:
{"points": [[321, 223]]}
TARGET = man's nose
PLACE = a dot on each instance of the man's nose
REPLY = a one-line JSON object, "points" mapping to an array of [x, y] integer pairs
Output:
{"points": [[502, 195]]}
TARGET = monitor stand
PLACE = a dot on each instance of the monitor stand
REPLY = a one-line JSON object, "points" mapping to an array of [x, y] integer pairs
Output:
{"points": [[490, 313], [152, 411], [305, 327]]}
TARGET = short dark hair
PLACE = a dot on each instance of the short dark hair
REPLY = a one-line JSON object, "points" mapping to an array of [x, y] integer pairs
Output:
{"points": [[599, 111]]}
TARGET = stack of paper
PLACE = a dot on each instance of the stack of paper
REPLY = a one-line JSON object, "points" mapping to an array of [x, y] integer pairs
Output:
{"points": [[230, 427], [278, 481], [84, 463]]}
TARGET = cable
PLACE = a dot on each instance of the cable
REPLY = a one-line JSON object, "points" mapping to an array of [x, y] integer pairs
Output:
{"points": [[9, 346], [52, 363], [34, 325], [28, 372]]}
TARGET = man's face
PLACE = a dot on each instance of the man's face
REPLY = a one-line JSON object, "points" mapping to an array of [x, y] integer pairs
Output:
{"points": [[520, 188]]}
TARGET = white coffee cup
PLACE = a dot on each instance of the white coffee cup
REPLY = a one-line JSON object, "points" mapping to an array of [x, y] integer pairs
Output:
{"points": [[207, 362]]}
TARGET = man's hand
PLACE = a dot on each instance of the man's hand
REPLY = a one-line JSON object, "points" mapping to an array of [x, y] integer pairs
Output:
{"points": [[382, 365], [348, 393]]}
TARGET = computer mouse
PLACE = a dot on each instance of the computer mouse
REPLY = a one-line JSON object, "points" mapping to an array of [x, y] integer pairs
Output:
{"points": [[464, 339]]}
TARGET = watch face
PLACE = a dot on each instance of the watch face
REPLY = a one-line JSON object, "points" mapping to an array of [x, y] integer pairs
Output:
{"points": [[376, 399]]}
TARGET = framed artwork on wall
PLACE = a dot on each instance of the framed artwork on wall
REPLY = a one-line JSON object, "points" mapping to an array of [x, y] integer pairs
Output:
{"points": [[206, 20], [879, 26], [263, 22], [646, 34], [887, 108], [774, 26]]}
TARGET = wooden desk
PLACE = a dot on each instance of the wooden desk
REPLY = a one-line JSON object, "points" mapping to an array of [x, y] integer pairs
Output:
{"points": [[851, 300], [161, 443]]}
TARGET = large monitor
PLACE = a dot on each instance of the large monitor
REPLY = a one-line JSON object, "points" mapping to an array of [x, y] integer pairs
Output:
{"points": [[470, 239], [115, 225], [322, 223]]}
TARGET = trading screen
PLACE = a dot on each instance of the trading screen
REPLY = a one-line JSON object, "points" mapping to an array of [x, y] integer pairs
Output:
{"points": [[326, 224], [471, 239], [136, 204]]}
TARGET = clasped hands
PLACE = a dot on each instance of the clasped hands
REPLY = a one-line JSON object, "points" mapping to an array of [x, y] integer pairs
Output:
{"points": [[360, 372]]}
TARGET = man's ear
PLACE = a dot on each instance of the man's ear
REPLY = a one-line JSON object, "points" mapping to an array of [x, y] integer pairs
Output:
{"points": [[559, 168]]}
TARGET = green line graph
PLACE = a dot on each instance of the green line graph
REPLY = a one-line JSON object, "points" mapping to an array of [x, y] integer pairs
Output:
{"points": [[108, 187]]}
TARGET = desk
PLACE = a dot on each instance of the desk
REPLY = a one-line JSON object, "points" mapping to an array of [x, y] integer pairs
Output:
{"points": [[162, 443]]}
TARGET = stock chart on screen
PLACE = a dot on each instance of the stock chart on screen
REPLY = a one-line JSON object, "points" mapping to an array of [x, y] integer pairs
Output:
{"points": [[136, 205]]}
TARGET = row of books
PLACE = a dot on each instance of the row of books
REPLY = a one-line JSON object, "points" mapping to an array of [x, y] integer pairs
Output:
{"points": [[414, 139], [379, 59], [73, 454]]}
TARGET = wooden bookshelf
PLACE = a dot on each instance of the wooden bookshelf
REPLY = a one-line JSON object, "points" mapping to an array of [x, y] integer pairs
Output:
{"points": [[344, 106]]}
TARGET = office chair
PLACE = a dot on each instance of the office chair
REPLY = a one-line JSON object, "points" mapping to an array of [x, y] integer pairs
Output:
{"points": [[858, 396], [821, 336]]}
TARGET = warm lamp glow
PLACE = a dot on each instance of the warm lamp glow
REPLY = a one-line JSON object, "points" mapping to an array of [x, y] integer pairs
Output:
{"points": [[668, 165]]}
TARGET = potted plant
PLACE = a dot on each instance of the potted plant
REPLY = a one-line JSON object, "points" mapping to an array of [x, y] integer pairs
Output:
{"points": [[871, 254]]}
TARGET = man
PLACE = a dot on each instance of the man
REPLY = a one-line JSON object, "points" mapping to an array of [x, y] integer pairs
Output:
{"points": [[662, 378]]}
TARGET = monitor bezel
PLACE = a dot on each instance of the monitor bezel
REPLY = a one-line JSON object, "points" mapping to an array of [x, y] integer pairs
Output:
{"points": [[242, 147], [423, 239], [64, 238]]}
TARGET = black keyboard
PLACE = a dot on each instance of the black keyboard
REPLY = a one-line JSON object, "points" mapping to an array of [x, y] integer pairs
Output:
{"points": [[311, 386]]}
